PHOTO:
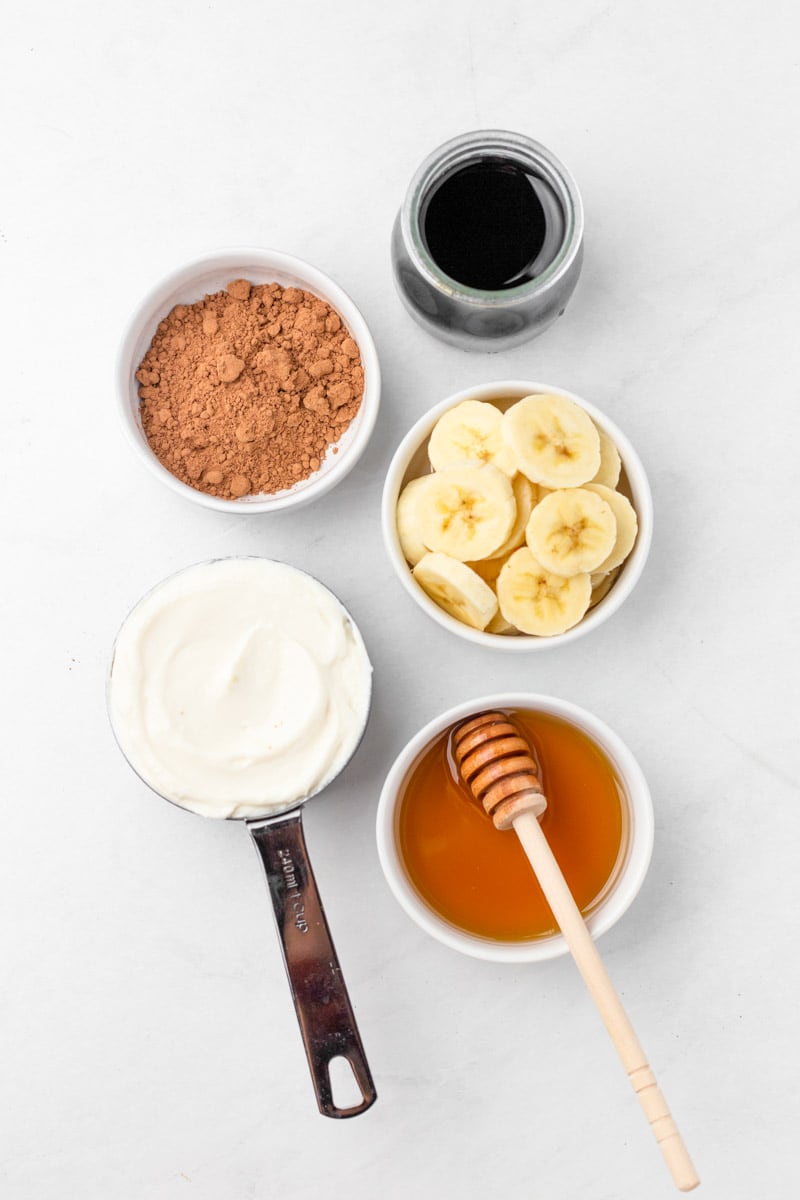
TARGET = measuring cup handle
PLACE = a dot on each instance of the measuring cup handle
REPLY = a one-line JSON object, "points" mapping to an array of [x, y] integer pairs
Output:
{"points": [[327, 1021]]}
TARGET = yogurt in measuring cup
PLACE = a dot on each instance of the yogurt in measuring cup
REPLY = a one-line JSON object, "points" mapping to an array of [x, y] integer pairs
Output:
{"points": [[239, 687]]}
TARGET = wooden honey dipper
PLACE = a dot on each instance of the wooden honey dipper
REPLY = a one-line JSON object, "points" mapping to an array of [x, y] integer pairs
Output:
{"points": [[497, 765]]}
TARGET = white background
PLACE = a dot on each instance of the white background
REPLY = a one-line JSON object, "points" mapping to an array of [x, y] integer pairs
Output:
{"points": [[149, 1046]]}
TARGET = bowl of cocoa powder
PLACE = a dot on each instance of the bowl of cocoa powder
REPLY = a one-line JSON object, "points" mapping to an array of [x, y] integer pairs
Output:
{"points": [[248, 381]]}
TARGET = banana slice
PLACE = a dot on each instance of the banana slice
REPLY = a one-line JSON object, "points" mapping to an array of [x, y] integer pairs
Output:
{"points": [[572, 531], [407, 519], [488, 568], [470, 432], [554, 441], [536, 601], [627, 525], [456, 589], [467, 511], [601, 585], [526, 495], [499, 624], [610, 461]]}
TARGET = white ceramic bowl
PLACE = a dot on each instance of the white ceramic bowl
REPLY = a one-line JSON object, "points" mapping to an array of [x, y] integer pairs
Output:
{"points": [[411, 459], [212, 273], [629, 873]]}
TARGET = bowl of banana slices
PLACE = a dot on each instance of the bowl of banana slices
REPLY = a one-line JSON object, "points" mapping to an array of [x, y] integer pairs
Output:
{"points": [[517, 515]]}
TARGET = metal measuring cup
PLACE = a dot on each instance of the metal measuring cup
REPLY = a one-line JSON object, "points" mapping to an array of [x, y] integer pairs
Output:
{"points": [[324, 1012]]}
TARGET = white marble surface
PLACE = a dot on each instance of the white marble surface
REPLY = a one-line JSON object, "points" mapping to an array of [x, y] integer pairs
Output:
{"points": [[148, 1045]]}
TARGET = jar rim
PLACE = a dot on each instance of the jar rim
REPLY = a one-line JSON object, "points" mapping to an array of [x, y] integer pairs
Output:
{"points": [[460, 151]]}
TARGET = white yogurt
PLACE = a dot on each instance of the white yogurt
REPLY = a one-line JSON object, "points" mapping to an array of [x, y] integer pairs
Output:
{"points": [[239, 687]]}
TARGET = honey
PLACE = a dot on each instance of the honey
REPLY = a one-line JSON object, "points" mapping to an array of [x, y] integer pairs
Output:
{"points": [[477, 877]]}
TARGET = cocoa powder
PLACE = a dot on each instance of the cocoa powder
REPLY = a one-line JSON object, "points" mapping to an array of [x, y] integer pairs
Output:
{"points": [[247, 390]]}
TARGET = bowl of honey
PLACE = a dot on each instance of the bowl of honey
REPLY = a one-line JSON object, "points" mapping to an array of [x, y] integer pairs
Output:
{"points": [[470, 885]]}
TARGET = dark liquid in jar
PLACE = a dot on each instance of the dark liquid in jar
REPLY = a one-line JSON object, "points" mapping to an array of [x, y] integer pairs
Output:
{"points": [[485, 225], [477, 877]]}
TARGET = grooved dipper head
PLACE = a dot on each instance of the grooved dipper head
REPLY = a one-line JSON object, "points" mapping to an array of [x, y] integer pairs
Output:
{"points": [[496, 763]]}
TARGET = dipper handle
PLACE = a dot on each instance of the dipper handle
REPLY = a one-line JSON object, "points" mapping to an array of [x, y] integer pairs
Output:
{"points": [[497, 765], [609, 1005]]}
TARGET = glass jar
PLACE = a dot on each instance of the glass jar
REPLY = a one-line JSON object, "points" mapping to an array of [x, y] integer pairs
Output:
{"points": [[467, 316]]}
